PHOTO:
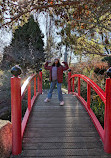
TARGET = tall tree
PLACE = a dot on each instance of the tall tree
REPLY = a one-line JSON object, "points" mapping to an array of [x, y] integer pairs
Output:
{"points": [[26, 48]]}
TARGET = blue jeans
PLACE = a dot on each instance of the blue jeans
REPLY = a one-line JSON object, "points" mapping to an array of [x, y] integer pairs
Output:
{"points": [[52, 86]]}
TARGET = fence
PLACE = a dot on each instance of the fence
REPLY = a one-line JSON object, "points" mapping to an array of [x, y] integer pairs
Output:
{"points": [[17, 94], [105, 133]]}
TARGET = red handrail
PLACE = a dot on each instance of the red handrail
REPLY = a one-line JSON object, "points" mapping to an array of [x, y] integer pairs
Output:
{"points": [[27, 86], [96, 88], [17, 94], [105, 133]]}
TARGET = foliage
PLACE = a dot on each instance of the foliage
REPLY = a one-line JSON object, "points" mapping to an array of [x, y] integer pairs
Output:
{"points": [[50, 48], [98, 108], [84, 13], [64, 84], [26, 48], [46, 82], [85, 25], [108, 60], [5, 94], [89, 69]]}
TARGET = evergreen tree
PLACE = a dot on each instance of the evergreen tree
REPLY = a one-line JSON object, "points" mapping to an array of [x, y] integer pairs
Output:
{"points": [[26, 48]]}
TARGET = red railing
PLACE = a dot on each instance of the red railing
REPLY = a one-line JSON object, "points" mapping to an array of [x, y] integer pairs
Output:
{"points": [[105, 133], [17, 94]]}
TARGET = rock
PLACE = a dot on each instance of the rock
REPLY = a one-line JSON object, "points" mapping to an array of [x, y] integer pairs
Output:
{"points": [[5, 138]]}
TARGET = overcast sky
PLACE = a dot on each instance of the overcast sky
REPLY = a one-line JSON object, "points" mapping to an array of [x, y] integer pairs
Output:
{"points": [[5, 39]]}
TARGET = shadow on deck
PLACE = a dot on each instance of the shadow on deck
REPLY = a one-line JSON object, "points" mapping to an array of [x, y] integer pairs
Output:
{"points": [[61, 131]]}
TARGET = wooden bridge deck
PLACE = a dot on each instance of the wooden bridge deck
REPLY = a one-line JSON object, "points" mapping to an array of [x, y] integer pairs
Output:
{"points": [[61, 131]]}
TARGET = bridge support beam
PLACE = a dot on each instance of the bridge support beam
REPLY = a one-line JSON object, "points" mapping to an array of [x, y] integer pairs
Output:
{"points": [[29, 96], [79, 86], [88, 95], [16, 112], [35, 86], [16, 115], [40, 82], [107, 118], [69, 81]]}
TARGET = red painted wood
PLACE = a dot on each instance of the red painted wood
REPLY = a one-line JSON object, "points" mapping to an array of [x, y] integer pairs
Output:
{"points": [[35, 86], [30, 101], [69, 82], [73, 84], [27, 114], [17, 94], [96, 88], [79, 86], [24, 121], [25, 85], [16, 115], [107, 118], [29, 96], [40, 83], [88, 95]]}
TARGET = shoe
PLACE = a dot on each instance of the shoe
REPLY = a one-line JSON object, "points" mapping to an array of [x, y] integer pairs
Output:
{"points": [[46, 100], [62, 103]]}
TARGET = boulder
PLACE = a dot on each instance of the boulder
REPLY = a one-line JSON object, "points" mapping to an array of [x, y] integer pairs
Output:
{"points": [[5, 138]]}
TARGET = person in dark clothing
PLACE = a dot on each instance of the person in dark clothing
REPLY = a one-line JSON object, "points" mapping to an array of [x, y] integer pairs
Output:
{"points": [[56, 77]]}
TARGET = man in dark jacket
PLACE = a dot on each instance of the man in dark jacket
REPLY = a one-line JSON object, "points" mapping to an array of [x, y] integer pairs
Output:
{"points": [[56, 77]]}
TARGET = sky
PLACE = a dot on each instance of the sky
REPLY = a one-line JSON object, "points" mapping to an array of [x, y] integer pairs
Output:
{"points": [[5, 39]]}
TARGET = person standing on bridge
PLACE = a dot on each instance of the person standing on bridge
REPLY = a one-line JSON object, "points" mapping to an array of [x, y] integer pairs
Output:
{"points": [[56, 77]]}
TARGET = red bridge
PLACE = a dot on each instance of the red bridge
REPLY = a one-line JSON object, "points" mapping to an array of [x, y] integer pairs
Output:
{"points": [[49, 130]]}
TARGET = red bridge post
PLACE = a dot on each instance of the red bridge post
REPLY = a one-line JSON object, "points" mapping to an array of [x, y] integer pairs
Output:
{"points": [[88, 95], [107, 118], [79, 86], [29, 96], [69, 81], [40, 83], [73, 84], [16, 113], [35, 86]]}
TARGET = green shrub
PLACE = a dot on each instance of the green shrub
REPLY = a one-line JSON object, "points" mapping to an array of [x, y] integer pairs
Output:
{"points": [[98, 108], [97, 104]]}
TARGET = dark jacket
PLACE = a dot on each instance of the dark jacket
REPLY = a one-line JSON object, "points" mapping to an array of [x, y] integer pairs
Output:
{"points": [[60, 70]]}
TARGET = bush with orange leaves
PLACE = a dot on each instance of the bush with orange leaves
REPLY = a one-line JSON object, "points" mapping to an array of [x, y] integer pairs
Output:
{"points": [[94, 69]]}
